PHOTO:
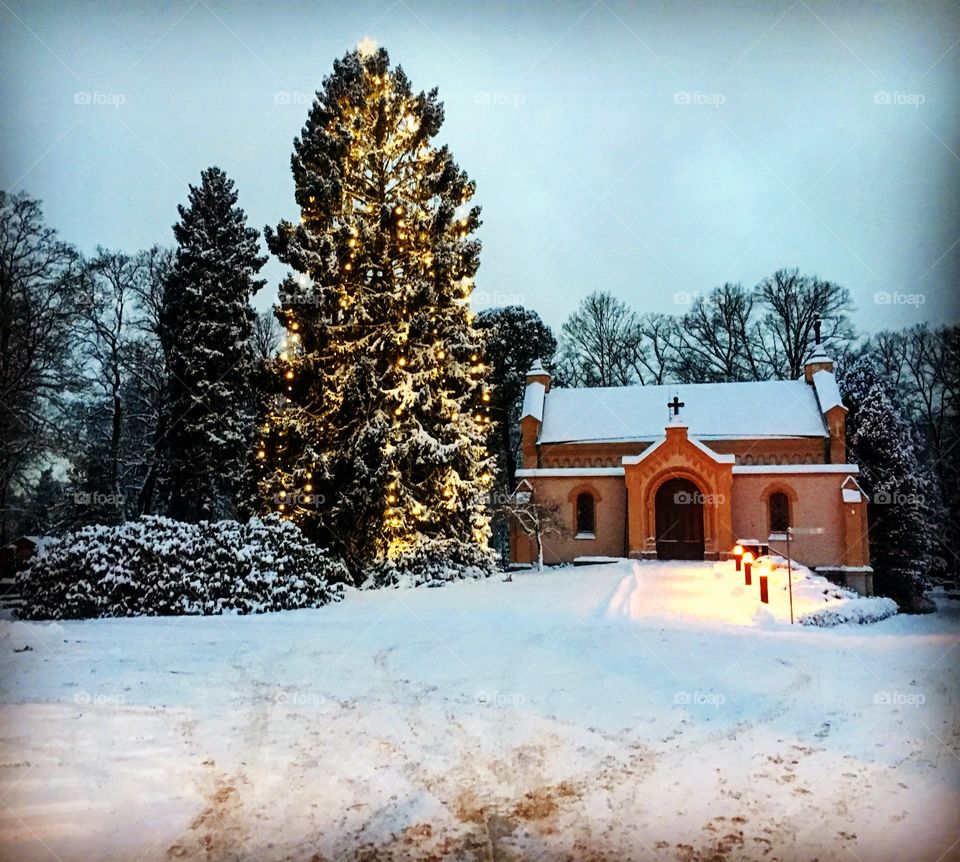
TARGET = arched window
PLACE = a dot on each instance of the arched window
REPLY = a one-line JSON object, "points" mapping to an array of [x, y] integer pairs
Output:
{"points": [[586, 514], [779, 504]]}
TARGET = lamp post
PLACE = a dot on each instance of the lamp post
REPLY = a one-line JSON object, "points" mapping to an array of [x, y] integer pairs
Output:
{"points": [[747, 568], [785, 537], [738, 555]]}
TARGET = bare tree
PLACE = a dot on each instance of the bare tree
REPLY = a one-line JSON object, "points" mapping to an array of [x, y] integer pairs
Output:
{"points": [[148, 371], [598, 343], [533, 518], [266, 336], [717, 340], [792, 303], [653, 357], [104, 330], [40, 288]]}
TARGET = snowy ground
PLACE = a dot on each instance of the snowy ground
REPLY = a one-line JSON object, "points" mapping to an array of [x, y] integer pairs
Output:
{"points": [[619, 712]]}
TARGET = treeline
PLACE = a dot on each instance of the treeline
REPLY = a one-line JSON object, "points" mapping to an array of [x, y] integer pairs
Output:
{"points": [[117, 398], [730, 333]]}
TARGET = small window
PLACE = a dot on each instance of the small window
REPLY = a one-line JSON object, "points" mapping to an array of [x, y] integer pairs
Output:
{"points": [[586, 521], [779, 512]]}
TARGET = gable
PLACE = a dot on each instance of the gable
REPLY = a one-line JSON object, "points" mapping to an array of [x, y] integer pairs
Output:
{"points": [[712, 411]]}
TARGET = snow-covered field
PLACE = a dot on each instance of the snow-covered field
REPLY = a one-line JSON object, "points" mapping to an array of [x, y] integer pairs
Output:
{"points": [[618, 712]]}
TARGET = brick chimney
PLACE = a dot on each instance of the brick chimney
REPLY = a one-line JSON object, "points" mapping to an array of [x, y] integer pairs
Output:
{"points": [[531, 416]]}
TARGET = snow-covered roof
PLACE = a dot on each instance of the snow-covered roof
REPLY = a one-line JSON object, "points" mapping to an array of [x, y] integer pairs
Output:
{"points": [[559, 472], [713, 456], [818, 354], [712, 411], [828, 393], [761, 469], [533, 401]]}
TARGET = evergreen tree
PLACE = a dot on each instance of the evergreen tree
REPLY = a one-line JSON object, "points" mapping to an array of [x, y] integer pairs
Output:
{"points": [[206, 328], [901, 489], [378, 450], [516, 338]]}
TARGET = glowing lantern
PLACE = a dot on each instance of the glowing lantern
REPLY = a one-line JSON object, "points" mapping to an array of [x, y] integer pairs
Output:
{"points": [[747, 568], [738, 555]]}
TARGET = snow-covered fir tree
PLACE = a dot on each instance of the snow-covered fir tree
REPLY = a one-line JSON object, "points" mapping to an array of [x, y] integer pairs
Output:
{"points": [[901, 488], [379, 448], [206, 328]]}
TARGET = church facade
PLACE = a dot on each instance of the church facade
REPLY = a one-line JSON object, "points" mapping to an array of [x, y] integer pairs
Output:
{"points": [[690, 471]]}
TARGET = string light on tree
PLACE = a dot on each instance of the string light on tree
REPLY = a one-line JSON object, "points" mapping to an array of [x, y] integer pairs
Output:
{"points": [[390, 397]]}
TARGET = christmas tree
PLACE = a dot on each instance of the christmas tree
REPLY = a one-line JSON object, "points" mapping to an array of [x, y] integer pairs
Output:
{"points": [[901, 487], [206, 325], [377, 448]]}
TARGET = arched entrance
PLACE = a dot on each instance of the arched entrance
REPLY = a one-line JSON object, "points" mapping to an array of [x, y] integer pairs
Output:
{"points": [[679, 514]]}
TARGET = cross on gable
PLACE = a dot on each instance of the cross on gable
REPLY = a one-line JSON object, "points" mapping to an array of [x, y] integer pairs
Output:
{"points": [[675, 405], [817, 324]]}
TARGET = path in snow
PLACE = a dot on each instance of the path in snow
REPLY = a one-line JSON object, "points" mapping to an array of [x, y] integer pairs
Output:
{"points": [[555, 717]]}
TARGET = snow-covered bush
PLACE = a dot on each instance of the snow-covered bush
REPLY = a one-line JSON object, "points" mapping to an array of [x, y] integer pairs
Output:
{"points": [[431, 564], [857, 610], [158, 566]]}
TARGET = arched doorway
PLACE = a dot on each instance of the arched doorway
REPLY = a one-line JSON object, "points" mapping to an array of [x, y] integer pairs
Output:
{"points": [[679, 513]]}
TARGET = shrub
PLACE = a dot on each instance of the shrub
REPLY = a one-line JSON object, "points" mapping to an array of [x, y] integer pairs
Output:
{"points": [[431, 563], [158, 566]]}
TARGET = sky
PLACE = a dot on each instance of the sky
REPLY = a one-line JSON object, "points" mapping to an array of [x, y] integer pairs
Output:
{"points": [[654, 150]]}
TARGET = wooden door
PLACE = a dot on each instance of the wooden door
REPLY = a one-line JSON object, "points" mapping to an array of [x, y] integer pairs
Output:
{"points": [[679, 512]]}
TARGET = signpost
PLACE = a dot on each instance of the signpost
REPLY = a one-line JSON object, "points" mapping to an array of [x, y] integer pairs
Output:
{"points": [[785, 537]]}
